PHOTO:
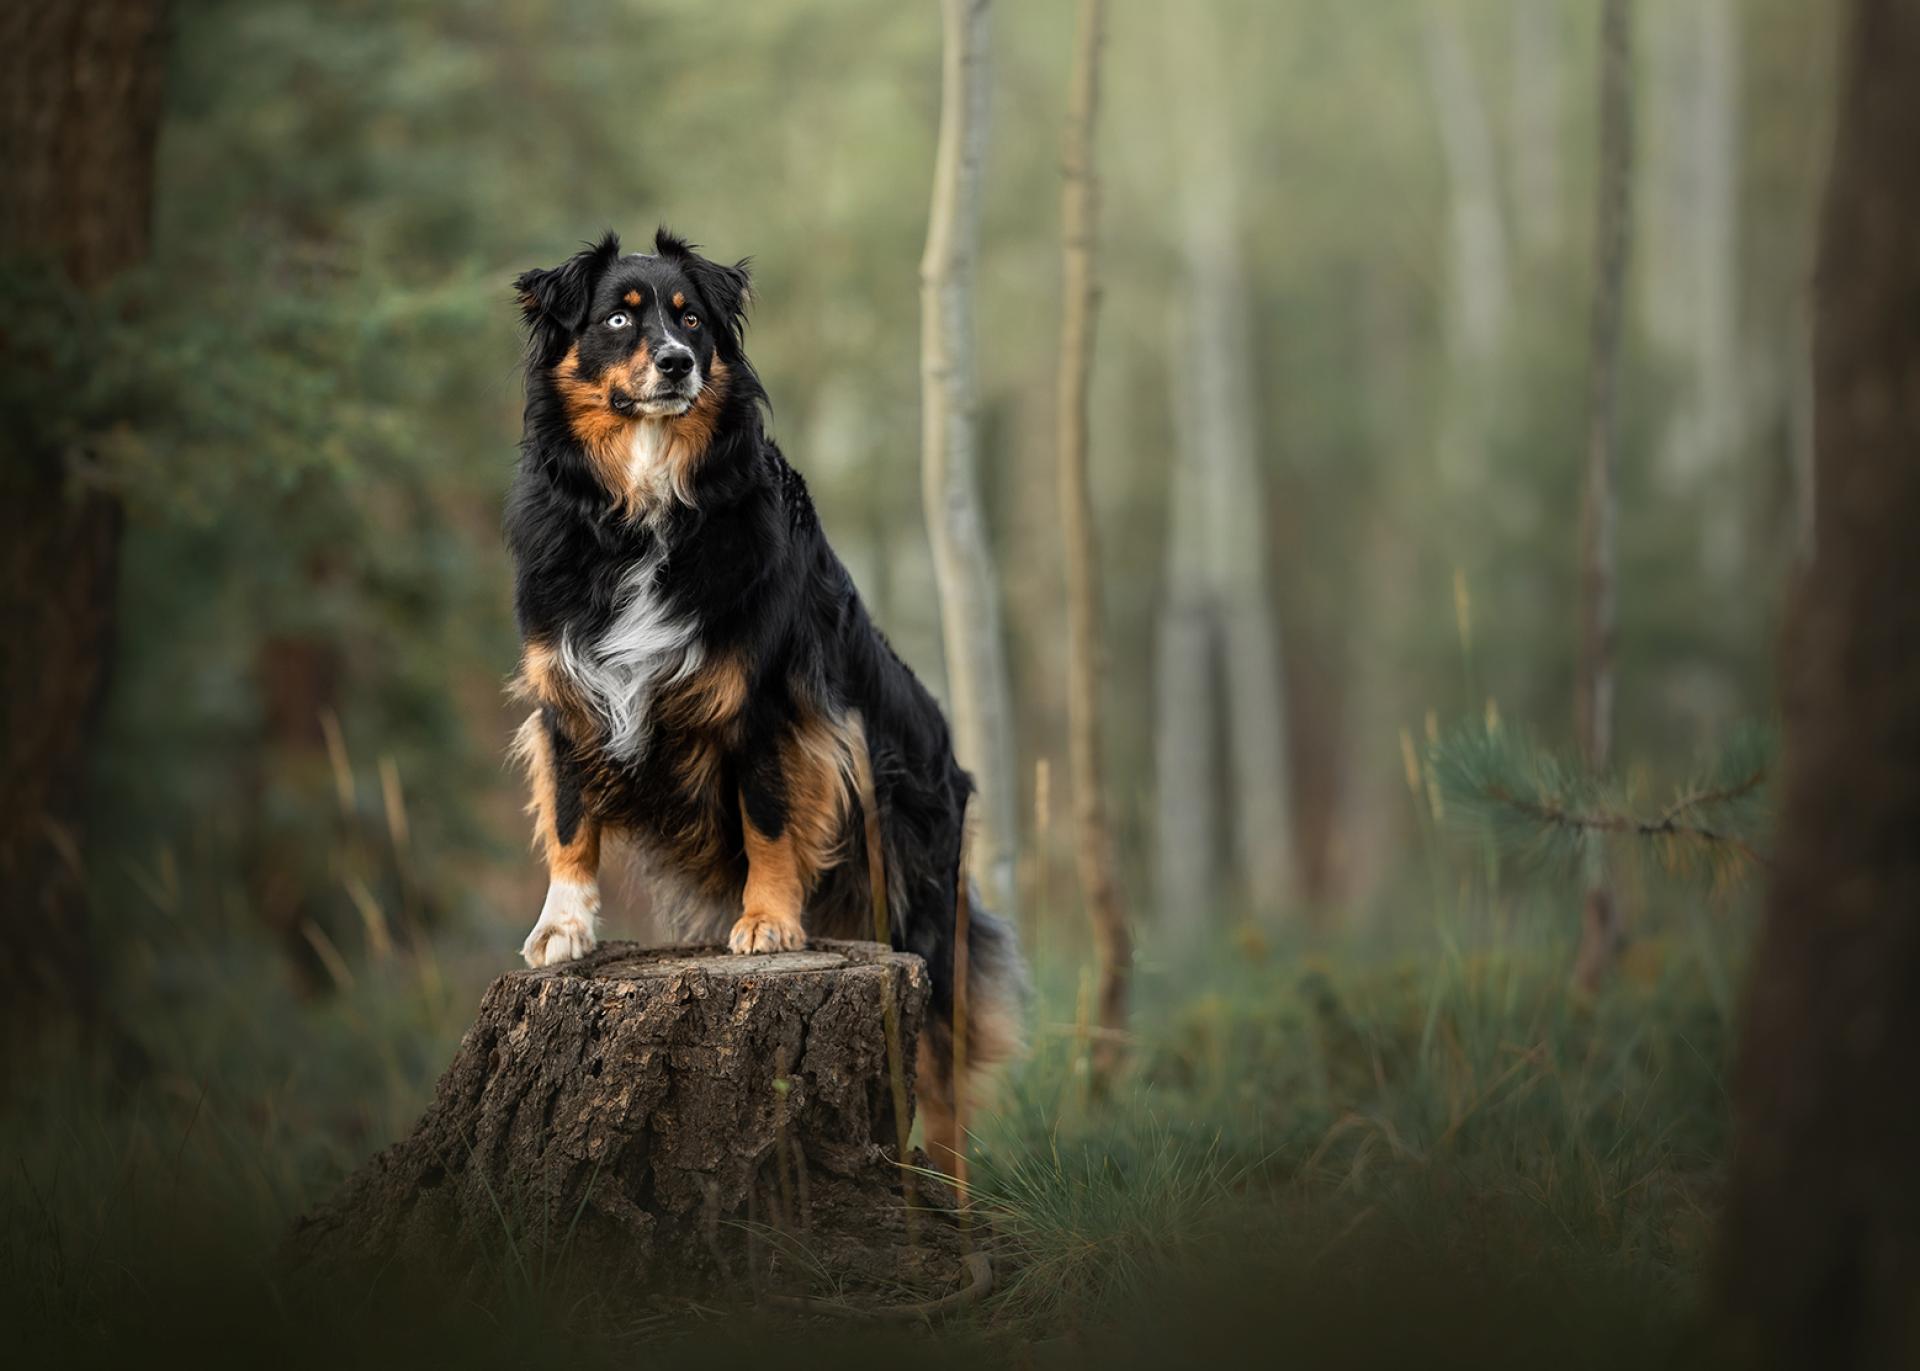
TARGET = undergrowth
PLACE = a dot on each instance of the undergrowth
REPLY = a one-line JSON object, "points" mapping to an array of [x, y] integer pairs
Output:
{"points": [[1357, 1158]]}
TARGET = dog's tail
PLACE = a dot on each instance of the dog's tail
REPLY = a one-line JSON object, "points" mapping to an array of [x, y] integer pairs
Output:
{"points": [[991, 1005]]}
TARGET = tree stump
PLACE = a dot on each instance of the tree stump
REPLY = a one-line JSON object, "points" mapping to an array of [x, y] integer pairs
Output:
{"points": [[668, 1115]]}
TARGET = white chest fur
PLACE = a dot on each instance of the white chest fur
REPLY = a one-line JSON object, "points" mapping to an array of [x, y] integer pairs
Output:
{"points": [[644, 648], [651, 470]]}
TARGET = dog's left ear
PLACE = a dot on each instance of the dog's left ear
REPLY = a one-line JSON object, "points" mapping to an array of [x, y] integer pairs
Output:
{"points": [[727, 290], [553, 301]]}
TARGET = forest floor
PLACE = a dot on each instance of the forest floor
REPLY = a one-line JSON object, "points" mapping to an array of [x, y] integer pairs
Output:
{"points": [[1359, 1157]]}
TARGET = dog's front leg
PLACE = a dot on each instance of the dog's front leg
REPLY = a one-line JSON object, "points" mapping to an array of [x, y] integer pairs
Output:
{"points": [[770, 914], [569, 838]]}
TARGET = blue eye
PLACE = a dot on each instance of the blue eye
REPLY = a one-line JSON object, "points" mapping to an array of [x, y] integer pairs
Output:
{"points": [[618, 321]]}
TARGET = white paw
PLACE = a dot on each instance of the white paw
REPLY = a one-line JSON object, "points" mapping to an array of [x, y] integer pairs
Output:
{"points": [[758, 931], [567, 924]]}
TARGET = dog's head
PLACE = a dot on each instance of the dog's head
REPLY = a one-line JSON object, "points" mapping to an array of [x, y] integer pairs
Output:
{"points": [[650, 327], [638, 342]]}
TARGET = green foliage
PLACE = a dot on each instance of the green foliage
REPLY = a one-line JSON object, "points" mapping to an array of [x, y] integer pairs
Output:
{"points": [[1554, 811]]}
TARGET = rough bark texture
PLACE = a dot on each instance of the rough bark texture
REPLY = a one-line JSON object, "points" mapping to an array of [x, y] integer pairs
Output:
{"points": [[663, 1116], [978, 695], [1820, 1252], [1601, 933], [79, 113], [1085, 658]]}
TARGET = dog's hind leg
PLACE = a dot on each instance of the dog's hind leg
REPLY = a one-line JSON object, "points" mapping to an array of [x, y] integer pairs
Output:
{"points": [[569, 839]]}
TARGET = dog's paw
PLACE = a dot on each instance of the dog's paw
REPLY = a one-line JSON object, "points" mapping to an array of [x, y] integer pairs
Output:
{"points": [[759, 930], [566, 929]]}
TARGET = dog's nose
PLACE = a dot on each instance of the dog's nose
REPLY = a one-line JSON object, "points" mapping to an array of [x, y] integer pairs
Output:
{"points": [[674, 363]]}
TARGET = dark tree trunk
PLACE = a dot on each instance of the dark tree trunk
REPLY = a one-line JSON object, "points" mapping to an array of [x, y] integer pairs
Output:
{"points": [[1820, 1253], [631, 1109], [79, 113], [1602, 933]]}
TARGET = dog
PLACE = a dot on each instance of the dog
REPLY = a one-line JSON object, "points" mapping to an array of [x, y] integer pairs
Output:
{"points": [[706, 681]]}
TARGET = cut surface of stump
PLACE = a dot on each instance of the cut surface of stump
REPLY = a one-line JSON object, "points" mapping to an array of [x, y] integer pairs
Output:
{"points": [[668, 1115]]}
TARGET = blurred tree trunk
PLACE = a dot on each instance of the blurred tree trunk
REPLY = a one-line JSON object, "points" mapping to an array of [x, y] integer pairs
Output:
{"points": [[1690, 226], [977, 689], [1802, 405], [1186, 701], [1537, 117], [1601, 932], [1086, 660], [291, 788], [79, 113], [1479, 294], [1218, 623], [1820, 1250], [1478, 239]]}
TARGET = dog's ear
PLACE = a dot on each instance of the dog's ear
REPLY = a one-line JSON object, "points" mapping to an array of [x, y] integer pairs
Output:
{"points": [[553, 302], [727, 290]]}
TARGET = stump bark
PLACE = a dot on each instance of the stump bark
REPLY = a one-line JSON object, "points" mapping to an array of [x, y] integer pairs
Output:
{"points": [[667, 1115]]}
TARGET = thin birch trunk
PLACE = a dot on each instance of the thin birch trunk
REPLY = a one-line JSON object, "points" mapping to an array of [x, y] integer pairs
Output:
{"points": [[1601, 931], [977, 690], [1085, 658], [1186, 796], [1479, 292], [1537, 114], [1477, 236], [1220, 515], [1691, 227]]}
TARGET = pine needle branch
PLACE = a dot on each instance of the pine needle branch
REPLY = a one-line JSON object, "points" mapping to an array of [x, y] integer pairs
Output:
{"points": [[1541, 805]]}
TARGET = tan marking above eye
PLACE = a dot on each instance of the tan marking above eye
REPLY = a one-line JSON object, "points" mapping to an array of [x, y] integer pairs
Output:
{"points": [[679, 300], [632, 297]]}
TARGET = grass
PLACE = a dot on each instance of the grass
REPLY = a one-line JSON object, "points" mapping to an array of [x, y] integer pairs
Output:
{"points": [[1359, 1156], [1464, 1121]]}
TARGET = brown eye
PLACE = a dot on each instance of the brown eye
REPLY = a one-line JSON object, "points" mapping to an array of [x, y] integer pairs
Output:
{"points": [[690, 321]]}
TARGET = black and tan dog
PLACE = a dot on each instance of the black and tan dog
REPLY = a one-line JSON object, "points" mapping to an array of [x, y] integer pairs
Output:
{"points": [[704, 670]]}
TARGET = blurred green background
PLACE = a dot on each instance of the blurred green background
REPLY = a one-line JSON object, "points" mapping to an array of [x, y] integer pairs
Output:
{"points": [[306, 852], [315, 402]]}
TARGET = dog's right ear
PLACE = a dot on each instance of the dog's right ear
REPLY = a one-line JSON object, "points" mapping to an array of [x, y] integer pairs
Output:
{"points": [[553, 301]]}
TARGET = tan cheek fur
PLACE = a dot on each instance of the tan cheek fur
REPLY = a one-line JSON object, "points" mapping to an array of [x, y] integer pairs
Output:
{"points": [[607, 436]]}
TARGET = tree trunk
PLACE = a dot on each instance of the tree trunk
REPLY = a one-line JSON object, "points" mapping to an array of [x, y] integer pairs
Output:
{"points": [[1478, 241], [1601, 932], [1186, 700], [977, 689], [1802, 405], [1690, 276], [1478, 290], [1085, 658], [1820, 1250], [1219, 609], [634, 1109], [1537, 114], [79, 112]]}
